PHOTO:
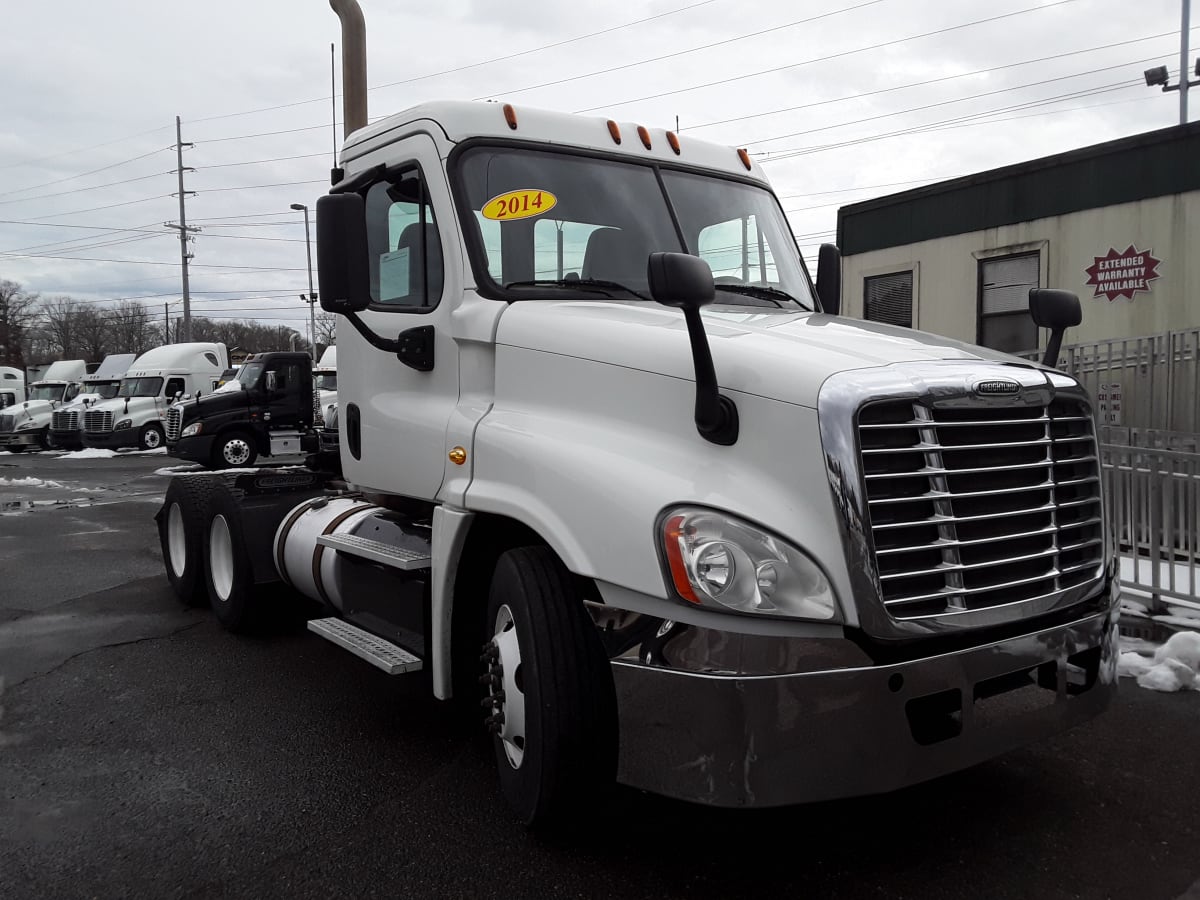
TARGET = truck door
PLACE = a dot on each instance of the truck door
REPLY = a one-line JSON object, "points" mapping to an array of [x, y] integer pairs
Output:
{"points": [[286, 403], [395, 411]]}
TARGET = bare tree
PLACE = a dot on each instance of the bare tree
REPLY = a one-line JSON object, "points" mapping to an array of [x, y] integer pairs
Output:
{"points": [[93, 328], [61, 315], [326, 329], [132, 329], [17, 314]]}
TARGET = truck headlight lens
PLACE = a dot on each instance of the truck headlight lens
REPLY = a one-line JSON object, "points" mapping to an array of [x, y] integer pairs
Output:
{"points": [[193, 429], [28, 423], [722, 562], [124, 423]]}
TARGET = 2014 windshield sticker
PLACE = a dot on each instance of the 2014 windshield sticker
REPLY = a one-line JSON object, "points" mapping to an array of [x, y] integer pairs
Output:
{"points": [[522, 204]]}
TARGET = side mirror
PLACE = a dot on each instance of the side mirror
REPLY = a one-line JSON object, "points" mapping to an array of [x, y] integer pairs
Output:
{"points": [[684, 281], [344, 271], [829, 278], [680, 279], [1058, 311], [271, 382]]}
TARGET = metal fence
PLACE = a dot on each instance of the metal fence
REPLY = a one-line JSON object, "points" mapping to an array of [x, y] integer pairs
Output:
{"points": [[1152, 493], [1141, 382]]}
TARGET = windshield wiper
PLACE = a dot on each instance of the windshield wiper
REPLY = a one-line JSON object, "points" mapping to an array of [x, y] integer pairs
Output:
{"points": [[759, 290], [594, 283]]}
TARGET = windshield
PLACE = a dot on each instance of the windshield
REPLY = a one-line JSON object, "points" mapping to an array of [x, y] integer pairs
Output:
{"points": [[103, 390], [50, 392], [248, 374], [325, 381], [140, 387], [566, 220]]}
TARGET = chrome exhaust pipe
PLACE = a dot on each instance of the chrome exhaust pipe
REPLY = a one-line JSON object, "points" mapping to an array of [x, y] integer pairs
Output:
{"points": [[354, 64]]}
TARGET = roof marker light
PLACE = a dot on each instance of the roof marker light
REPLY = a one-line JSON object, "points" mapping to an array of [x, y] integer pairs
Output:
{"points": [[644, 134], [745, 157], [510, 116], [614, 131], [673, 140]]}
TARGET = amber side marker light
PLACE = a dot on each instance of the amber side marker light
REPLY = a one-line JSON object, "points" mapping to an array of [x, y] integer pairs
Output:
{"points": [[614, 131], [510, 116], [673, 140], [672, 532], [644, 134], [744, 157]]}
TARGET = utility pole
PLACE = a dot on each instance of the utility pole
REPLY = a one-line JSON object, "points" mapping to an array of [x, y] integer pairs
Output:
{"points": [[166, 324], [1183, 61], [183, 229]]}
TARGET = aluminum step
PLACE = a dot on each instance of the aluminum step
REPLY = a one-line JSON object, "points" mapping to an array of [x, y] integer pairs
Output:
{"points": [[375, 650], [376, 551]]}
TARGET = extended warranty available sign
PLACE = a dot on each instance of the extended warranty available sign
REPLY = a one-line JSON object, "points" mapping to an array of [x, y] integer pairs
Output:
{"points": [[1122, 274]]}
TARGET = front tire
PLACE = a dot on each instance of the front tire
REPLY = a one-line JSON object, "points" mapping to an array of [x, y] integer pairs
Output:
{"points": [[550, 696], [150, 437], [181, 524], [234, 451]]}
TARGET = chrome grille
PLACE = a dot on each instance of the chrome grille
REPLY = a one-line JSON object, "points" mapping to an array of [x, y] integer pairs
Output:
{"points": [[972, 507], [174, 421], [7, 423], [97, 420], [65, 420]]}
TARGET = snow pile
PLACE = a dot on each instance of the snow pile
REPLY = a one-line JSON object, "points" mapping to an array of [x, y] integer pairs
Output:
{"points": [[157, 451], [90, 453], [1175, 666], [29, 482], [176, 470]]}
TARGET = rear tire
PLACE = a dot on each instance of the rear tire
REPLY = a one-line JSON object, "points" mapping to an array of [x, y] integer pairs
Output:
{"points": [[234, 450], [150, 437], [181, 524], [556, 745], [228, 575]]}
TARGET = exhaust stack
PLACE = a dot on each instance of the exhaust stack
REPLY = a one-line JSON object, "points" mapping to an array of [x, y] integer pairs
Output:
{"points": [[354, 64]]}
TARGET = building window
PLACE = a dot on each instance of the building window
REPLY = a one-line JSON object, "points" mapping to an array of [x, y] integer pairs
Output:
{"points": [[1004, 320], [889, 298]]}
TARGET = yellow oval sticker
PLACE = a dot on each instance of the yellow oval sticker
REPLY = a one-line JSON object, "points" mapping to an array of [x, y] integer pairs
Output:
{"points": [[519, 205]]}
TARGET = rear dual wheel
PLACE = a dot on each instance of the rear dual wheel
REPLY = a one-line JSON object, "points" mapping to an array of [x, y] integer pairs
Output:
{"points": [[181, 523]]}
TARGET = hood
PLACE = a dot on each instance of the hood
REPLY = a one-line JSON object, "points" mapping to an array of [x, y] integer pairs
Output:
{"points": [[117, 405], [34, 408], [218, 401], [777, 354]]}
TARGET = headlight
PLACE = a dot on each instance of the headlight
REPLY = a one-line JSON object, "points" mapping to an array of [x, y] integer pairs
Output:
{"points": [[721, 562], [193, 429], [124, 423], [28, 423]]}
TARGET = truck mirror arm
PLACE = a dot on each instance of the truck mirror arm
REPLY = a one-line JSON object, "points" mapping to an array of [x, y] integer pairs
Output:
{"points": [[414, 346], [716, 414]]}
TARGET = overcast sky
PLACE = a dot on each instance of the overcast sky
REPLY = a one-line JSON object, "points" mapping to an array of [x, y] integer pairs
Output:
{"points": [[858, 101]]}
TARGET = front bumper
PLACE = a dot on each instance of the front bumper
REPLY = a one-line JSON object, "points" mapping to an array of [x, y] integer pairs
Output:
{"points": [[10, 439], [196, 448], [735, 740], [66, 440], [111, 440]]}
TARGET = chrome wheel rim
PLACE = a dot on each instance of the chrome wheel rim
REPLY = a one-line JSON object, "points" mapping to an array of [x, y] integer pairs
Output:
{"points": [[236, 452], [506, 696], [176, 540], [220, 558], [152, 439]]}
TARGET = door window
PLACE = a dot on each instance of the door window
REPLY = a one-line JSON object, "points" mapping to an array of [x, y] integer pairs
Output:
{"points": [[405, 250], [175, 386]]}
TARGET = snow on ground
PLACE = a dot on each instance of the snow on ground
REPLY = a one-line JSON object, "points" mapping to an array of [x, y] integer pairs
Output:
{"points": [[30, 482], [90, 453], [1175, 666], [178, 470]]}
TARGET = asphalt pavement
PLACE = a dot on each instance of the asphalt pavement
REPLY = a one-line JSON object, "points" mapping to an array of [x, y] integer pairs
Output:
{"points": [[146, 753]]}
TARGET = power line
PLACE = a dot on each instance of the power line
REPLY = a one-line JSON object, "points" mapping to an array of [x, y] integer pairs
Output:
{"points": [[82, 174], [76, 212], [839, 55], [80, 190], [150, 262], [255, 162], [642, 62], [128, 137]]}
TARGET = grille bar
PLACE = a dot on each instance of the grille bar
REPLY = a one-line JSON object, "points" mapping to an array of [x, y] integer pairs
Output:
{"points": [[952, 501], [174, 420]]}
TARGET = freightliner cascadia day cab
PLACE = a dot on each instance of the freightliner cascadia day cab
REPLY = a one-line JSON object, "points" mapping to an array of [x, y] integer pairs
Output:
{"points": [[267, 410], [155, 380], [66, 423], [26, 425], [615, 469]]}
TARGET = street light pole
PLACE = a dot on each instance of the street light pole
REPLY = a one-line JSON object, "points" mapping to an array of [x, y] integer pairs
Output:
{"points": [[1184, 83], [312, 297]]}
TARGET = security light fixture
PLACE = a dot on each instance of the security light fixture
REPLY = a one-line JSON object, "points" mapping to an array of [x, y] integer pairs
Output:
{"points": [[1157, 75]]}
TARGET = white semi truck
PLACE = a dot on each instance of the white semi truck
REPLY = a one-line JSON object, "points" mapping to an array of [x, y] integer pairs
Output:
{"points": [[701, 536], [66, 423], [156, 379], [26, 425]]}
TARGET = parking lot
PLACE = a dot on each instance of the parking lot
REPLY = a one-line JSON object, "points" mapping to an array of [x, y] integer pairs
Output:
{"points": [[144, 752]]}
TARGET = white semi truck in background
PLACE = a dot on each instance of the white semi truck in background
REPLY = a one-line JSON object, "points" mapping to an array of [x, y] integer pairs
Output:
{"points": [[699, 535], [12, 386], [66, 424], [135, 416], [26, 425]]}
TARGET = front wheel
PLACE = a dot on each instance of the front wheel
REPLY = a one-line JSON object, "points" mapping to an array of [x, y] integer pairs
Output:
{"points": [[550, 696], [150, 437], [235, 450]]}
